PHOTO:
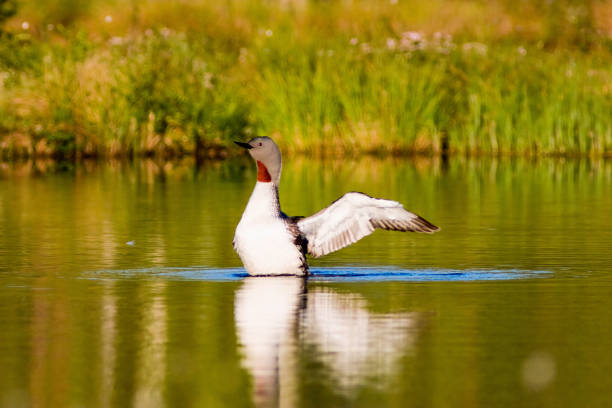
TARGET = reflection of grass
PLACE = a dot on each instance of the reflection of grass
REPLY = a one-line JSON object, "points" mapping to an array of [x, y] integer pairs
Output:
{"points": [[170, 79], [492, 212]]}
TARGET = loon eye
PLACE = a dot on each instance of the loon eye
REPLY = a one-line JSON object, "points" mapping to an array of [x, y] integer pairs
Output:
{"points": [[261, 144]]}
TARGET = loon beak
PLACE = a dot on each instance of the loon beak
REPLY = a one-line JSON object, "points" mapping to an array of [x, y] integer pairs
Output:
{"points": [[245, 145]]}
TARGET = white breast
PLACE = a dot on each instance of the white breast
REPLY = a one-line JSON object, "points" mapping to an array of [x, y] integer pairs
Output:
{"points": [[262, 239]]}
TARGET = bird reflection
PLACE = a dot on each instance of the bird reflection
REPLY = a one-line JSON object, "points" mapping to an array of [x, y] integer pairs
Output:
{"points": [[277, 317]]}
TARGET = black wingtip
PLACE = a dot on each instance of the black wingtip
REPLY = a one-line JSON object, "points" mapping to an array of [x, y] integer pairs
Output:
{"points": [[426, 226], [244, 145]]}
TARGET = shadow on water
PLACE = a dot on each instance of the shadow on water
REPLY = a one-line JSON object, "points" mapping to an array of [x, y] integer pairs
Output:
{"points": [[333, 274]]}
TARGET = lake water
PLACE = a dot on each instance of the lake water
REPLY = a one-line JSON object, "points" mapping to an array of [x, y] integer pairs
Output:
{"points": [[119, 287]]}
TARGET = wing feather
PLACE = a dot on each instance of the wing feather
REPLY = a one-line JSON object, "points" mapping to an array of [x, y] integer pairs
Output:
{"points": [[354, 216]]}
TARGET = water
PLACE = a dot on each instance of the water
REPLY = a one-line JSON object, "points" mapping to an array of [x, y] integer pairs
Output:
{"points": [[119, 287]]}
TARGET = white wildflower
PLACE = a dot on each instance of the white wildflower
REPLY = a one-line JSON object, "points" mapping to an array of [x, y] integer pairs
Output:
{"points": [[354, 41], [406, 44], [391, 43], [521, 50], [269, 33], [411, 41], [413, 36], [25, 25], [108, 19], [475, 47], [115, 41]]}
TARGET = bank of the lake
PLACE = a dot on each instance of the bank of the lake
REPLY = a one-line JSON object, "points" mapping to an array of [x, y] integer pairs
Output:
{"points": [[339, 78]]}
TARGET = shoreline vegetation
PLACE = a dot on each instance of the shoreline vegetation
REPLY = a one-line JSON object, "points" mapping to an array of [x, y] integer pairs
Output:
{"points": [[173, 79]]}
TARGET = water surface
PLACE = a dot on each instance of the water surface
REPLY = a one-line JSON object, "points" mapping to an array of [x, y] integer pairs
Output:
{"points": [[119, 287]]}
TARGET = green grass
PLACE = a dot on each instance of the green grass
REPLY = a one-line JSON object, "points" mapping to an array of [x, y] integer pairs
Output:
{"points": [[174, 79]]}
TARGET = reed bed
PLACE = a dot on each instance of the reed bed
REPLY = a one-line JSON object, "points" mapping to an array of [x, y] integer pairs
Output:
{"points": [[173, 78]]}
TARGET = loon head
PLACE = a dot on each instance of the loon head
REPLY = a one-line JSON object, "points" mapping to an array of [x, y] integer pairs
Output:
{"points": [[267, 155]]}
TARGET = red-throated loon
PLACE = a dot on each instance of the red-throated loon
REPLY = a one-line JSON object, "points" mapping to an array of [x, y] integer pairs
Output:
{"points": [[271, 243]]}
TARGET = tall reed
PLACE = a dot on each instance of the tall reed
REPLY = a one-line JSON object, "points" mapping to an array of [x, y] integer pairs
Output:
{"points": [[341, 77]]}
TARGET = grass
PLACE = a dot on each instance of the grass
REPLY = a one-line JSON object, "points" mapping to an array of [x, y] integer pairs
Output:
{"points": [[173, 78]]}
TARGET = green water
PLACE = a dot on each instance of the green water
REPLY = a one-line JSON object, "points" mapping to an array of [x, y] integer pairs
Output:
{"points": [[119, 287]]}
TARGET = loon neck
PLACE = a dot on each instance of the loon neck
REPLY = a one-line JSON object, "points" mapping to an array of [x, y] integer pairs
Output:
{"points": [[263, 175], [263, 202]]}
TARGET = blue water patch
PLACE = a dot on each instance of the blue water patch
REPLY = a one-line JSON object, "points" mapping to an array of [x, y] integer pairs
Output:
{"points": [[335, 274], [362, 274]]}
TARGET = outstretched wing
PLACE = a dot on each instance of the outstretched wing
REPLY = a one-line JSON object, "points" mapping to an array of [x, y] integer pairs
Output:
{"points": [[352, 217]]}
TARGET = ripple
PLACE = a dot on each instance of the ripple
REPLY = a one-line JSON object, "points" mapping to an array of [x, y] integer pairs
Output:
{"points": [[335, 274], [421, 275]]}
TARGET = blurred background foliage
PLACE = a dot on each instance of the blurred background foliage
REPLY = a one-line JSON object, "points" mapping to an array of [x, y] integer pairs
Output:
{"points": [[8, 8], [396, 76]]}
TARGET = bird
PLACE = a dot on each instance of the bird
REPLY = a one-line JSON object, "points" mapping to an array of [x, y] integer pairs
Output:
{"points": [[270, 243]]}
